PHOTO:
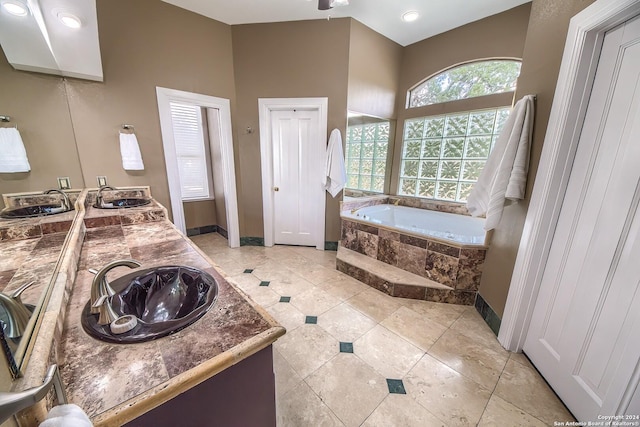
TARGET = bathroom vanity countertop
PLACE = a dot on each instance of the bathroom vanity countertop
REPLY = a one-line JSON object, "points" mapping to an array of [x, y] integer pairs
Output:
{"points": [[95, 217], [35, 227], [115, 383], [29, 260]]}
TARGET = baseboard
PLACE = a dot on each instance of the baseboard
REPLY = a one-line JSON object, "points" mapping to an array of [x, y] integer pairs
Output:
{"points": [[195, 231], [252, 241], [490, 317], [330, 246]]}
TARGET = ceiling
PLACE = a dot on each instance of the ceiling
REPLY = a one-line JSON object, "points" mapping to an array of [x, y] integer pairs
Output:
{"points": [[40, 42], [383, 16]]}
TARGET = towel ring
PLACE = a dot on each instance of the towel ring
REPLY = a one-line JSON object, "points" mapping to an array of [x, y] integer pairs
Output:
{"points": [[7, 119]]}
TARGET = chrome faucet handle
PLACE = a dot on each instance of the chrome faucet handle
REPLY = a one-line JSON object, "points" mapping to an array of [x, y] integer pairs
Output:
{"points": [[64, 201], [18, 314], [12, 402], [107, 314], [100, 190], [100, 286]]}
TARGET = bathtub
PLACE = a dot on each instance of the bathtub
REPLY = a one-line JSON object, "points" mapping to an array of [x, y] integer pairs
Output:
{"points": [[450, 228]]}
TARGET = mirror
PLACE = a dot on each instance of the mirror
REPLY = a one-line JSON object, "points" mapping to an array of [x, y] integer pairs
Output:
{"points": [[368, 154], [37, 105]]}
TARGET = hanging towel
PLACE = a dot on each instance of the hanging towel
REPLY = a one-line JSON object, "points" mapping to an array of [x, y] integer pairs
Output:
{"points": [[505, 173], [335, 173], [66, 416], [130, 151], [13, 156]]}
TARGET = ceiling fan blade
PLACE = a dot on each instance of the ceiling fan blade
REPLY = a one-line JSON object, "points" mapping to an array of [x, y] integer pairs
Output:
{"points": [[324, 4]]}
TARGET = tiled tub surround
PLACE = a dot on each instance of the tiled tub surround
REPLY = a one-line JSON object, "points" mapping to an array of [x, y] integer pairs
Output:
{"points": [[413, 202], [456, 266], [115, 383]]}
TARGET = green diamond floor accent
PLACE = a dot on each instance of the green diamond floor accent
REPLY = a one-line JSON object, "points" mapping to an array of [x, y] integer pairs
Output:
{"points": [[346, 347], [264, 283], [248, 270], [396, 386], [285, 299], [311, 320]]}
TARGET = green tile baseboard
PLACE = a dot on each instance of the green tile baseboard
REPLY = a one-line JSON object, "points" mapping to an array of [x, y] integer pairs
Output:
{"points": [[330, 246], [487, 313], [252, 241], [195, 231]]}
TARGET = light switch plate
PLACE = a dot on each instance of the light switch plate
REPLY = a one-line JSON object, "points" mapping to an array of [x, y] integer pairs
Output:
{"points": [[102, 181], [64, 183]]}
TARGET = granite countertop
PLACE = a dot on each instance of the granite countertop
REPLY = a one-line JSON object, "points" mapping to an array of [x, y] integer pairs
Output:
{"points": [[29, 252], [114, 383]]}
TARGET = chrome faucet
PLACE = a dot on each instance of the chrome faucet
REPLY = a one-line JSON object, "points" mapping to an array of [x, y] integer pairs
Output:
{"points": [[100, 286], [12, 402], [65, 202], [18, 314], [99, 195]]}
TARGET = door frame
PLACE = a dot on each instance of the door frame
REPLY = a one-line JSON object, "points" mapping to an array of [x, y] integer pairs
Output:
{"points": [[165, 96], [265, 107], [577, 72]]}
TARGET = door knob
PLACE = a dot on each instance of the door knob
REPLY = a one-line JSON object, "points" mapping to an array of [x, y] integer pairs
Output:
{"points": [[276, 189]]}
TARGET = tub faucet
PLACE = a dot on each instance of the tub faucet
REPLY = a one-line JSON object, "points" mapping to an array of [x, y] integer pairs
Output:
{"points": [[354, 210], [100, 286], [18, 314], [99, 195], [64, 201]]}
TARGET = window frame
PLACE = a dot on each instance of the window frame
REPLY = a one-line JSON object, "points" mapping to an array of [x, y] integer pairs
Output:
{"points": [[204, 154], [387, 158], [459, 64], [465, 105], [440, 158]]}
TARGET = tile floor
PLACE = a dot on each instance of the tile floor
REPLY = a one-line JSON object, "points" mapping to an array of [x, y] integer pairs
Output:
{"points": [[353, 356]]}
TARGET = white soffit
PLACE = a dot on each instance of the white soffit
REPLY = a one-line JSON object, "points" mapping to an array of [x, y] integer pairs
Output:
{"points": [[383, 16], [40, 42]]}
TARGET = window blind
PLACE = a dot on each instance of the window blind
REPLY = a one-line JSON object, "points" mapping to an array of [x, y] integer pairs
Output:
{"points": [[188, 134]]}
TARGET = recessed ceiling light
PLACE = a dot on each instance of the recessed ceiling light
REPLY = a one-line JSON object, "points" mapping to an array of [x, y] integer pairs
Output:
{"points": [[410, 16], [15, 7], [69, 19]]}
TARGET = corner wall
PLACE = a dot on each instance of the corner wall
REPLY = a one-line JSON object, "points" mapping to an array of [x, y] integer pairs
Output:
{"points": [[544, 46], [145, 44], [285, 60]]}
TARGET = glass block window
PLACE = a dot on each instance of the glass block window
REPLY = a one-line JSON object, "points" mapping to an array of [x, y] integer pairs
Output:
{"points": [[366, 156], [466, 81], [442, 156]]}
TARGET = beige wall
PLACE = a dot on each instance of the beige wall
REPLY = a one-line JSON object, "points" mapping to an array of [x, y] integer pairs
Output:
{"points": [[543, 50], [374, 72], [200, 213], [501, 35], [37, 104], [144, 44], [285, 60]]}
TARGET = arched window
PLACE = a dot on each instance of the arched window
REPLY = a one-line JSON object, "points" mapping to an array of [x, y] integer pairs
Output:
{"points": [[466, 81], [443, 155]]}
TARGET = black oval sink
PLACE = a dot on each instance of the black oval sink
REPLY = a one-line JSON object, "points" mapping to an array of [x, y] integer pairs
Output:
{"points": [[123, 203], [32, 211], [163, 299]]}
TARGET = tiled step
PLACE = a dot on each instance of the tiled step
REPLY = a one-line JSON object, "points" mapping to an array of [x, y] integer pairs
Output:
{"points": [[397, 282]]}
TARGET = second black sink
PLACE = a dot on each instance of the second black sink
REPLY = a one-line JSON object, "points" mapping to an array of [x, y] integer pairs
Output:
{"points": [[131, 202], [32, 211]]}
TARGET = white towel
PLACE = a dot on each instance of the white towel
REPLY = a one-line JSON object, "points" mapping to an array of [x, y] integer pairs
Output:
{"points": [[66, 416], [130, 151], [505, 174], [335, 173], [13, 156]]}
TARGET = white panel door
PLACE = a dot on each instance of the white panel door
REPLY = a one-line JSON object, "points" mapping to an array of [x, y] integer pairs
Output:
{"points": [[584, 333], [296, 176]]}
